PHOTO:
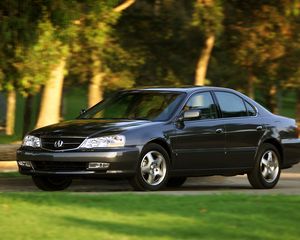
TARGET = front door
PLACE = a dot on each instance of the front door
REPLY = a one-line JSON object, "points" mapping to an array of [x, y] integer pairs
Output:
{"points": [[199, 143]]}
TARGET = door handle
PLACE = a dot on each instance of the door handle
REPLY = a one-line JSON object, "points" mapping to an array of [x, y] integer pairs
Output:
{"points": [[219, 130], [259, 128]]}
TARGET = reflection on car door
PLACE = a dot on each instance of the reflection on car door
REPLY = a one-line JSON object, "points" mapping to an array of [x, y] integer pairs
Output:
{"points": [[200, 143], [243, 129]]}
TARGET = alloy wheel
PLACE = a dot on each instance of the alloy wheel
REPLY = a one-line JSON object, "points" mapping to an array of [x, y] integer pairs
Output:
{"points": [[269, 166], [153, 168]]}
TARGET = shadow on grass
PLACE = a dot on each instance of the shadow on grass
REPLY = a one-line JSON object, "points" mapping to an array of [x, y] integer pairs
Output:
{"points": [[184, 206], [177, 217], [174, 230]]}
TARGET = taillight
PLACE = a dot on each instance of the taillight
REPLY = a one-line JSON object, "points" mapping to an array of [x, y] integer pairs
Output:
{"points": [[298, 130]]}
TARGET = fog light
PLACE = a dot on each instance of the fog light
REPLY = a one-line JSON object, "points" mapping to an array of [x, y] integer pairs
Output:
{"points": [[98, 165], [25, 164]]}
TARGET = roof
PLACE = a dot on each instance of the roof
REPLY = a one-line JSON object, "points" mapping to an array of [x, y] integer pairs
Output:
{"points": [[186, 89]]}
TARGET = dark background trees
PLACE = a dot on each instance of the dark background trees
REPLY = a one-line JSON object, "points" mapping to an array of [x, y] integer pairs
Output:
{"points": [[59, 56]]}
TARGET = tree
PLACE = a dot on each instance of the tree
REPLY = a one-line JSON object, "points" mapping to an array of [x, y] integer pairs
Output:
{"points": [[208, 16], [96, 32], [7, 45], [289, 65], [154, 44], [62, 30], [35, 66], [16, 32], [258, 32]]}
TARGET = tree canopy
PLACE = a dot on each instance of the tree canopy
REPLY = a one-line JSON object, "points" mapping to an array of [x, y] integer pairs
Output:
{"points": [[253, 46]]}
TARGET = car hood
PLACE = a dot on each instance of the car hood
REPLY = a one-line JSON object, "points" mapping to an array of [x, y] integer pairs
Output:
{"points": [[87, 127]]}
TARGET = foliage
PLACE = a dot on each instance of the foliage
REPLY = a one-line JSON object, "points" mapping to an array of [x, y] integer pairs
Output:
{"points": [[208, 16], [15, 29], [151, 43], [35, 63], [94, 27], [158, 44], [259, 42]]}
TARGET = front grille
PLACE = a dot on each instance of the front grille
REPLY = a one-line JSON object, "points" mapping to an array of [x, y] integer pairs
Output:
{"points": [[67, 143], [59, 166]]}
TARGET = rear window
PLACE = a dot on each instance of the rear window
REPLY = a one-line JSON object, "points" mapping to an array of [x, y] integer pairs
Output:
{"points": [[231, 105]]}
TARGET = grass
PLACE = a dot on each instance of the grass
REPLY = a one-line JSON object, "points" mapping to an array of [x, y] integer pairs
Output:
{"points": [[131, 216], [11, 175]]}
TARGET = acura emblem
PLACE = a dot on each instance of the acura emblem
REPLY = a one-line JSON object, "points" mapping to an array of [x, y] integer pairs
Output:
{"points": [[58, 143]]}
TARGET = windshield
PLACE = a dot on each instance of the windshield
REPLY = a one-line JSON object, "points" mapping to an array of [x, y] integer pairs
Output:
{"points": [[141, 105]]}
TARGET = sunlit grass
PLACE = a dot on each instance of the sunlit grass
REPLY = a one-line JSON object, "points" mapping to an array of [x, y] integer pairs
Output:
{"points": [[88, 216], [11, 175]]}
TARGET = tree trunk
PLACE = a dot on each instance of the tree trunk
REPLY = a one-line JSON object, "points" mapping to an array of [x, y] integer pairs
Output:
{"points": [[95, 92], [250, 87], [203, 60], [157, 7], [126, 4], [10, 112], [271, 98], [51, 96], [298, 105], [27, 114]]}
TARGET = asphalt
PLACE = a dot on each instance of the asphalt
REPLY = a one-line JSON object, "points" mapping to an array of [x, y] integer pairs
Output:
{"points": [[289, 184]]}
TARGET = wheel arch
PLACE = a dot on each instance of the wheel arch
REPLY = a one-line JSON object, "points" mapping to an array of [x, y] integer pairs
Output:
{"points": [[164, 144], [278, 146]]}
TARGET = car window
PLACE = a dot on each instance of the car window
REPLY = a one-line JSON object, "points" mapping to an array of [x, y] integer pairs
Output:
{"points": [[204, 103], [231, 105], [250, 109], [140, 105]]}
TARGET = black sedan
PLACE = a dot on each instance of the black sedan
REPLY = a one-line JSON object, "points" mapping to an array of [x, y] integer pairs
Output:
{"points": [[158, 137]]}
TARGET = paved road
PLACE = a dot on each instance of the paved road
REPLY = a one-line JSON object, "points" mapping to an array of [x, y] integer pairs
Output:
{"points": [[288, 184]]}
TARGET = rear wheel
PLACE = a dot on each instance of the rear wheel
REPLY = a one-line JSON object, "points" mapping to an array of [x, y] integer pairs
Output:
{"points": [[152, 170], [51, 183], [266, 172], [176, 181]]}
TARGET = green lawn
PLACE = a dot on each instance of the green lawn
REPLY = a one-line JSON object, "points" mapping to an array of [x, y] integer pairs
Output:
{"points": [[135, 216], [12, 175]]}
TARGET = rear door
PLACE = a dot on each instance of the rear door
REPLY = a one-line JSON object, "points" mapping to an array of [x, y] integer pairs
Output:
{"points": [[243, 129]]}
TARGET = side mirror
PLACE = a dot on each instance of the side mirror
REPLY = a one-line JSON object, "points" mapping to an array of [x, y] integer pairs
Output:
{"points": [[191, 114], [82, 111]]}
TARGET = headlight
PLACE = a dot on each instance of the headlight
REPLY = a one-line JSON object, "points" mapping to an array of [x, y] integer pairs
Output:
{"points": [[31, 141], [101, 142]]}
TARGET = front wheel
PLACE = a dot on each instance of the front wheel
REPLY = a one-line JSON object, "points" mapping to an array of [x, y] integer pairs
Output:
{"points": [[51, 183], [266, 172], [152, 170]]}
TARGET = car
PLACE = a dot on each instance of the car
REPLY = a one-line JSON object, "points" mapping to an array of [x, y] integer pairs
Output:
{"points": [[157, 137]]}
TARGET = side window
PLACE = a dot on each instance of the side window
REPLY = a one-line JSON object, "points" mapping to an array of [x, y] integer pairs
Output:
{"points": [[204, 103], [250, 109], [231, 105]]}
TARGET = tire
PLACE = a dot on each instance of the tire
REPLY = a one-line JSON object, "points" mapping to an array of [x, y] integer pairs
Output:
{"points": [[176, 181], [152, 169], [51, 183], [267, 169]]}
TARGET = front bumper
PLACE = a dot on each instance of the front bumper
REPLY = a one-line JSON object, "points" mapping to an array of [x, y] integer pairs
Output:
{"points": [[122, 162]]}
